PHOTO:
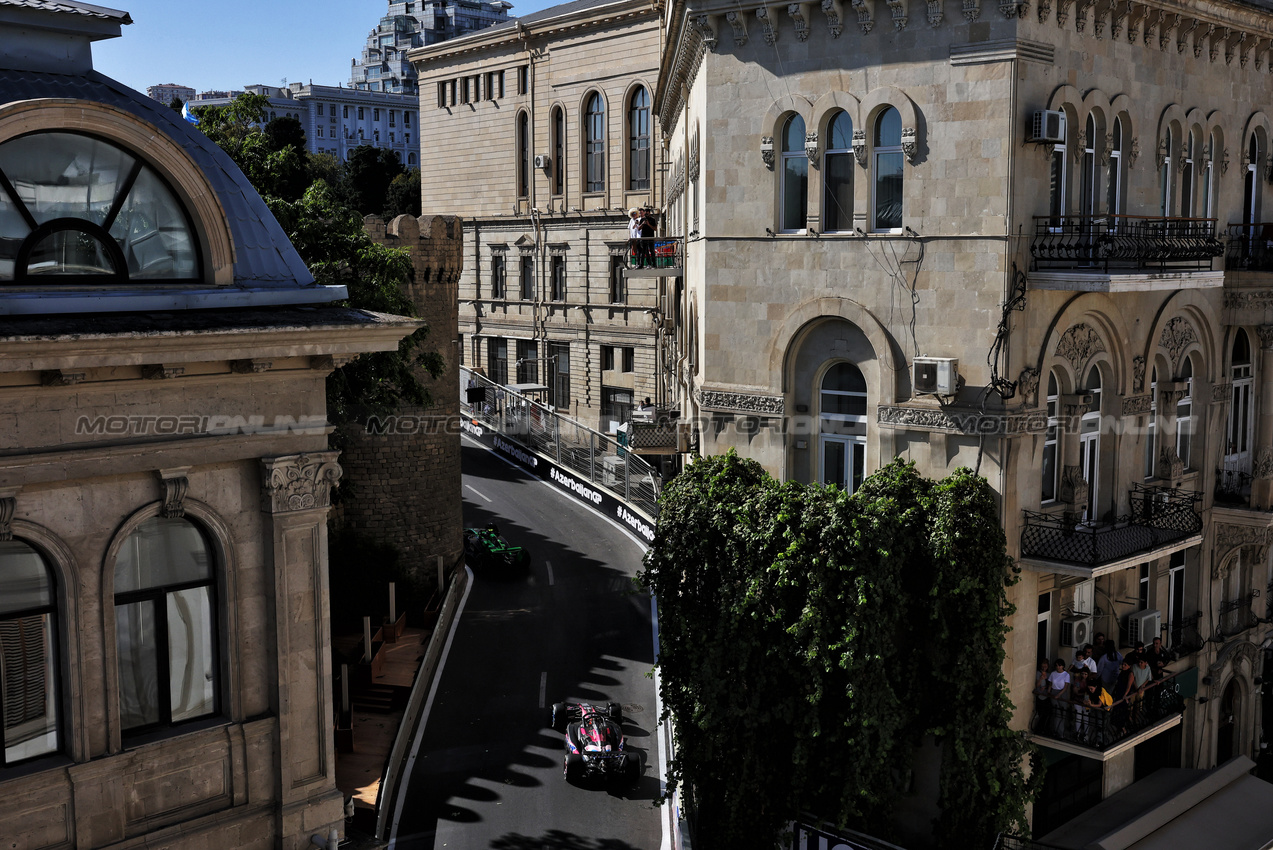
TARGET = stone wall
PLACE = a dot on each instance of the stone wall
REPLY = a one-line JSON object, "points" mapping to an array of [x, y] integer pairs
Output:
{"points": [[406, 477]]}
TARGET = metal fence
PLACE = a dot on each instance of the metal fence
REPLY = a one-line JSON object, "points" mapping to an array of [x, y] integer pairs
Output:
{"points": [[599, 459], [1124, 242]]}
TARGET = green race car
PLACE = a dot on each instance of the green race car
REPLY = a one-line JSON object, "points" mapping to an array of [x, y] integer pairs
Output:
{"points": [[484, 547]]}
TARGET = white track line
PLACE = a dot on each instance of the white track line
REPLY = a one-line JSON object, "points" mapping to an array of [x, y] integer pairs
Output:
{"points": [[478, 492], [549, 565]]}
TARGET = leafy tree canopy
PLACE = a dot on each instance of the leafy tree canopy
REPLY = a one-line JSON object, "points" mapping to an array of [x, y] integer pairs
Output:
{"points": [[283, 131], [368, 172], [810, 640], [403, 196]]}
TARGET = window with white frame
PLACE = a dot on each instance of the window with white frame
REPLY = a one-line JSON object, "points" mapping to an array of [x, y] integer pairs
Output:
{"points": [[1058, 177], [1151, 428], [837, 175], [1090, 444], [1251, 182], [794, 176], [29, 682], [888, 161], [1184, 416], [842, 409], [1237, 453], [1188, 174], [1165, 172], [1051, 472]]}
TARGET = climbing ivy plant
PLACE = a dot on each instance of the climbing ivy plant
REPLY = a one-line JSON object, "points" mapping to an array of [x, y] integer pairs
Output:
{"points": [[810, 640]]}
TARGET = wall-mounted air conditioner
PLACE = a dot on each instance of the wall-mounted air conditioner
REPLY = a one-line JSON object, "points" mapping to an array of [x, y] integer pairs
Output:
{"points": [[1143, 626], [935, 375], [1048, 126], [1076, 631], [542, 160]]}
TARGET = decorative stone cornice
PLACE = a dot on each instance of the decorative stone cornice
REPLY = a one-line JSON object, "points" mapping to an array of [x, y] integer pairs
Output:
{"points": [[250, 367], [61, 378], [8, 504], [160, 371], [961, 420], [1078, 344], [1137, 405], [298, 482], [1230, 536], [753, 404], [1221, 393], [176, 484]]}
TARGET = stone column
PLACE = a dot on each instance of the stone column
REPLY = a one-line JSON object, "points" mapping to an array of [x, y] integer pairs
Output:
{"points": [[296, 493], [1262, 469]]}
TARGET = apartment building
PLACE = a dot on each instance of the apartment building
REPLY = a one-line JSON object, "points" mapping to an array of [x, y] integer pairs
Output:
{"points": [[384, 66], [1024, 238], [165, 478], [165, 92], [550, 114]]}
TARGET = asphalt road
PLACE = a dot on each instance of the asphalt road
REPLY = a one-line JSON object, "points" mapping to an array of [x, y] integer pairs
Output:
{"points": [[569, 628]]}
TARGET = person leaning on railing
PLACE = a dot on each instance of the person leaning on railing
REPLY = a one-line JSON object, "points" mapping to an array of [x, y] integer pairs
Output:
{"points": [[1059, 693]]}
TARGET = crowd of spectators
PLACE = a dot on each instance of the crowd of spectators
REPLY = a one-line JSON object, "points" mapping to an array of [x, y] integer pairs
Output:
{"points": [[1070, 697]]}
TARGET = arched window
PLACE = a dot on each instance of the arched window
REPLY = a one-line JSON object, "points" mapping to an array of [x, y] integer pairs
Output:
{"points": [[1165, 174], [78, 209], [842, 422], [1237, 452], [887, 206], [523, 155], [1058, 177], [28, 654], [639, 140], [165, 625], [1090, 443], [594, 145], [1208, 176], [410, 159], [1151, 434], [1051, 469], [1184, 415], [1251, 182], [837, 175], [1089, 168], [1188, 174], [1114, 171], [559, 151], [795, 176]]}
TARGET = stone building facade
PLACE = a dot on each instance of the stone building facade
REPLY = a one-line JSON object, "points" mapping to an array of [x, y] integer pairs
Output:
{"points": [[551, 115], [1022, 238], [406, 469], [165, 477]]}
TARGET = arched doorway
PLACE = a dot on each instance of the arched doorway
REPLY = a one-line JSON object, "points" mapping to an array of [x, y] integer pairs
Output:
{"points": [[1226, 727]]}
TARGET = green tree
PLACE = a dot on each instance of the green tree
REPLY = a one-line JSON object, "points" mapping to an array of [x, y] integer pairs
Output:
{"points": [[369, 171], [176, 103], [403, 196], [283, 131], [791, 658]]}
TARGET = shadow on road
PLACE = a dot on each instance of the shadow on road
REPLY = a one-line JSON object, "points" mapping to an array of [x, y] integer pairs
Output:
{"points": [[556, 839]]}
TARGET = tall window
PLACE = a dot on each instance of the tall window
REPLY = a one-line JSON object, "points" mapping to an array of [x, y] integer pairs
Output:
{"points": [[639, 140], [1089, 169], [527, 277], [1090, 444], [1184, 415], [1058, 178], [1114, 170], [527, 361], [1151, 435], [1237, 453], [28, 654], [795, 176], [558, 278], [1050, 469], [1251, 183], [837, 175], [559, 374], [523, 155], [888, 171], [1208, 176], [165, 625], [842, 423], [559, 151], [1165, 174], [1176, 597], [594, 144], [618, 293], [497, 360], [1188, 175], [498, 275]]}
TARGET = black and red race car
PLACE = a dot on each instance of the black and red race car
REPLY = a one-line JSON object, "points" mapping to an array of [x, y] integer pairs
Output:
{"points": [[595, 744]]}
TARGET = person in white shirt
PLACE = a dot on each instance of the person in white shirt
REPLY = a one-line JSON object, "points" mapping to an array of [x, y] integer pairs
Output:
{"points": [[634, 235], [1059, 686]]}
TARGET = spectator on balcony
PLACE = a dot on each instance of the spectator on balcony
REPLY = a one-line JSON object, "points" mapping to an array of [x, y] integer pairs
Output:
{"points": [[1042, 708], [1107, 666], [1141, 673], [1059, 693], [634, 235], [1159, 657], [1124, 687], [1095, 700], [1041, 678], [649, 229], [1083, 661]]}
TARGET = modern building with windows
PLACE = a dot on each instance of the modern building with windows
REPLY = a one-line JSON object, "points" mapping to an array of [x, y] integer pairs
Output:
{"points": [[165, 92], [165, 478], [1025, 238], [384, 66], [551, 114], [336, 119]]}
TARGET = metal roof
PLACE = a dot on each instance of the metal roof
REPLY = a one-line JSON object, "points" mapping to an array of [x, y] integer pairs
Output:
{"points": [[70, 7], [264, 256]]}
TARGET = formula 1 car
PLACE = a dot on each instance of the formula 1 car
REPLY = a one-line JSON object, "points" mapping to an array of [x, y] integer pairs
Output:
{"points": [[485, 547], [595, 744]]}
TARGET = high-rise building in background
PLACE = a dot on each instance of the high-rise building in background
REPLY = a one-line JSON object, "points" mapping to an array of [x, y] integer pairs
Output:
{"points": [[416, 23], [165, 92]]}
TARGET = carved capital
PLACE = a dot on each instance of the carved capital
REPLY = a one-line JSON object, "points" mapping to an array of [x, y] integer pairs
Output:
{"points": [[767, 151], [707, 31], [1265, 333], [298, 482], [935, 13], [1138, 373], [1133, 152], [8, 504], [768, 26], [1222, 393], [811, 147], [176, 485], [971, 10], [1045, 9], [1012, 9], [910, 144], [797, 11], [901, 16], [1074, 488], [739, 25], [866, 20], [859, 146], [835, 16], [1170, 467]]}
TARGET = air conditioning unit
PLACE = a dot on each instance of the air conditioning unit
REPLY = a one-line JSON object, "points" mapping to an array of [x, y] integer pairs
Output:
{"points": [[935, 375], [542, 160], [1048, 126], [1143, 626], [1076, 631]]}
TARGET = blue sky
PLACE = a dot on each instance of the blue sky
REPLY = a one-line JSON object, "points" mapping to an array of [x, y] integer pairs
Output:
{"points": [[227, 44]]}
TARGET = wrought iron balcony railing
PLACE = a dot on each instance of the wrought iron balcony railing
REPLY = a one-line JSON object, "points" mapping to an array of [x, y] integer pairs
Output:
{"points": [[1124, 243], [647, 257], [1235, 615], [1159, 516], [1069, 719], [1250, 247], [1185, 637]]}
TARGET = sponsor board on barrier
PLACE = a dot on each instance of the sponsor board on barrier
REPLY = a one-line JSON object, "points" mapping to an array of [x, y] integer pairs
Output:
{"points": [[563, 480]]}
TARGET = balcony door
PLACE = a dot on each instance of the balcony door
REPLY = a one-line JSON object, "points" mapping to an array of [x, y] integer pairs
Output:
{"points": [[1090, 445], [1237, 453], [842, 426], [843, 459]]}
